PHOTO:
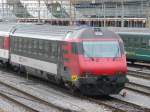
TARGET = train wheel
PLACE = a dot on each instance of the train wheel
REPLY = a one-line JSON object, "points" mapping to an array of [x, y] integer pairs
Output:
{"points": [[22, 69], [132, 62], [18, 70], [59, 81], [15, 68], [7, 65], [3, 64], [73, 89]]}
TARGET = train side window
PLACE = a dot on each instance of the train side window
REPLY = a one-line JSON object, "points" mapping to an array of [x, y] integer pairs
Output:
{"points": [[35, 47], [23, 49], [140, 42], [32, 47], [46, 49], [25, 45], [74, 48], [2, 42], [77, 48], [132, 42], [121, 47], [13, 44], [135, 42], [144, 43], [124, 41], [129, 42], [40, 47], [29, 46], [16, 44], [19, 45], [149, 43], [54, 50]]}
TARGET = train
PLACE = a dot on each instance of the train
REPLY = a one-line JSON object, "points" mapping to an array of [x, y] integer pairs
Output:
{"points": [[137, 43], [91, 60]]}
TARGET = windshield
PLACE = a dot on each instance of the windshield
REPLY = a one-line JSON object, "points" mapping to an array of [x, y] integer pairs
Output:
{"points": [[101, 49]]}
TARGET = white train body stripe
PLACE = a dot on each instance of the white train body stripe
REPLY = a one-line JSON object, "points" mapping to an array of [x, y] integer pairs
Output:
{"points": [[34, 63], [4, 53]]}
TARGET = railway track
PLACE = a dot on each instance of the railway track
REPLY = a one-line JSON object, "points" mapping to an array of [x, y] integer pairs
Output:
{"points": [[141, 70], [138, 76], [139, 64], [138, 88], [42, 87], [28, 101], [110, 102], [120, 105], [29, 97]]}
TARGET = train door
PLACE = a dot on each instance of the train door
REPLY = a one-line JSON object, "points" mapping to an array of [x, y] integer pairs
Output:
{"points": [[59, 63]]}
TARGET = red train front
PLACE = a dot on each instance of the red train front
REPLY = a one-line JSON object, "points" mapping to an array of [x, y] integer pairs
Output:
{"points": [[95, 61]]}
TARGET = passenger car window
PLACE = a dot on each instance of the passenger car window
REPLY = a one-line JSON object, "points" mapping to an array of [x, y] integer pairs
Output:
{"points": [[46, 49], [40, 47], [35, 47], [149, 42], [2, 42], [54, 50]]}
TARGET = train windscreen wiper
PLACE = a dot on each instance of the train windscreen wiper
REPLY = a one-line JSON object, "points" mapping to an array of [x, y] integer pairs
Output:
{"points": [[88, 55]]}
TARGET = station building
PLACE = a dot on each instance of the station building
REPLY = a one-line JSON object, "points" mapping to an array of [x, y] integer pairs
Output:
{"points": [[119, 13]]}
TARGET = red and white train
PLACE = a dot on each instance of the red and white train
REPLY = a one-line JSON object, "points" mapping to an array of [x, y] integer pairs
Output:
{"points": [[91, 60]]}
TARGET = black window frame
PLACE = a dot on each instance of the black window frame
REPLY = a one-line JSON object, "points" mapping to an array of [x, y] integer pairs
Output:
{"points": [[45, 50]]}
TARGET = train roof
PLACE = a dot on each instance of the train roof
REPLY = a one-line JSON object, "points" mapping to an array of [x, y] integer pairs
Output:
{"points": [[5, 28], [61, 32], [137, 31]]}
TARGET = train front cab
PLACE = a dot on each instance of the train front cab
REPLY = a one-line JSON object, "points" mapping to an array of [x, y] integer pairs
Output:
{"points": [[4, 48], [96, 66], [5, 30]]}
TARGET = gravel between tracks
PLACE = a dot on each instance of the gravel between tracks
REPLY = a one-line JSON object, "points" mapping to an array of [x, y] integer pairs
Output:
{"points": [[140, 81], [57, 97], [9, 106], [134, 98], [53, 96]]}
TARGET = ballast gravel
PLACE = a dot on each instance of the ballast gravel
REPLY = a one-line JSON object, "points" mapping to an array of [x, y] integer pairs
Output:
{"points": [[51, 95]]}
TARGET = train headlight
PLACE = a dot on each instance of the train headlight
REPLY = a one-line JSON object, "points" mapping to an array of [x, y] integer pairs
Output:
{"points": [[74, 77]]}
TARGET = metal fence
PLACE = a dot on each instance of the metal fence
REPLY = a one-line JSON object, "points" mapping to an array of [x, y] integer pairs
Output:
{"points": [[128, 13]]}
